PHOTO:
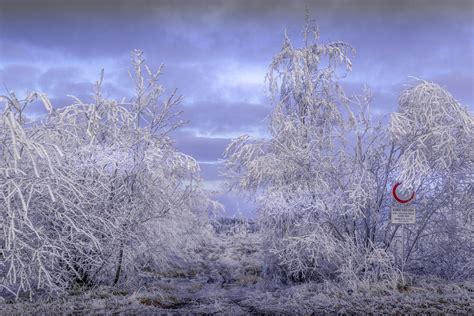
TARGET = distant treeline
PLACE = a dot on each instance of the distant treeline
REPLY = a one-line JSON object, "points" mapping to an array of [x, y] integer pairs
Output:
{"points": [[228, 225]]}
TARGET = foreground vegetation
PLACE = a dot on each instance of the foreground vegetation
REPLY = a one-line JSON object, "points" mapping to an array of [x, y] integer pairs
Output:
{"points": [[226, 278]]}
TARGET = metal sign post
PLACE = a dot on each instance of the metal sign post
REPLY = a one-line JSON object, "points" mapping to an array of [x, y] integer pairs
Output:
{"points": [[402, 215], [2, 239]]}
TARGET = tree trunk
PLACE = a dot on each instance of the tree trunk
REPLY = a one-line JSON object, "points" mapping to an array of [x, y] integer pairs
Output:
{"points": [[119, 264]]}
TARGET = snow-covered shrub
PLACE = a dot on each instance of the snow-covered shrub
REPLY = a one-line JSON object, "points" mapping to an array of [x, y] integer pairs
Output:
{"points": [[41, 208], [435, 135], [322, 180], [434, 131], [96, 189], [319, 196]]}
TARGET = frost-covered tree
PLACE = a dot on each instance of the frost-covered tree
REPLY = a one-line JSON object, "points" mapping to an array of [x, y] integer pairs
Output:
{"points": [[97, 189], [319, 196], [436, 137], [35, 189], [322, 179], [434, 131]]}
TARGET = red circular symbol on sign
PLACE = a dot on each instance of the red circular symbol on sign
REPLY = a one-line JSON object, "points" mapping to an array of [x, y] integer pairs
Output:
{"points": [[396, 197]]}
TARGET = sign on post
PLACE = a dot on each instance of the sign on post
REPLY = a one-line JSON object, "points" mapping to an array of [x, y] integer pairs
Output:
{"points": [[403, 215], [400, 199]]}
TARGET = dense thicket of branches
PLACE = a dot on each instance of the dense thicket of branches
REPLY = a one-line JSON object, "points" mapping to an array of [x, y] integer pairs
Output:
{"points": [[322, 180], [96, 190]]}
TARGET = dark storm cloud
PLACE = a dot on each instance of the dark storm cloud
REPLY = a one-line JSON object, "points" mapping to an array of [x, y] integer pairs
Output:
{"points": [[162, 29], [390, 36], [203, 29], [241, 6]]}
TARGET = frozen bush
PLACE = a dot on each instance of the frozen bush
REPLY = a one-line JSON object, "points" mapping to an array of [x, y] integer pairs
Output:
{"points": [[322, 179], [96, 189]]}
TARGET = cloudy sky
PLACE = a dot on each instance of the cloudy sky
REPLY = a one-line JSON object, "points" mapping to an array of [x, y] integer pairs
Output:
{"points": [[217, 52]]}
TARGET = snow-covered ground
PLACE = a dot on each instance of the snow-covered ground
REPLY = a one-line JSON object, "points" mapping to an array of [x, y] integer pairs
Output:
{"points": [[226, 278]]}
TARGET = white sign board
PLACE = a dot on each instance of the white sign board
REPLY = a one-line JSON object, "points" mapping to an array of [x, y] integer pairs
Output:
{"points": [[403, 215]]}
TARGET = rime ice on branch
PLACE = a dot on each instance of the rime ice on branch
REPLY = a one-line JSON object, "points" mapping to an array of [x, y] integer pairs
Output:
{"points": [[434, 131]]}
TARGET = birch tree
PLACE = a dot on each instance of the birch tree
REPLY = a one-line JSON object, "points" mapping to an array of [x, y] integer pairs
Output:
{"points": [[322, 179]]}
